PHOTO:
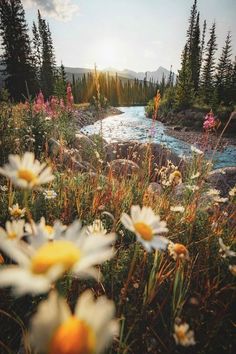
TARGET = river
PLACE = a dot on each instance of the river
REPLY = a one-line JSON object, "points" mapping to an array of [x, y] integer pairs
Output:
{"points": [[133, 125]]}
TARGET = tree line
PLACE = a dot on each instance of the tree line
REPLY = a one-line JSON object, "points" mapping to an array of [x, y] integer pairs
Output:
{"points": [[113, 89], [29, 65], [202, 79]]}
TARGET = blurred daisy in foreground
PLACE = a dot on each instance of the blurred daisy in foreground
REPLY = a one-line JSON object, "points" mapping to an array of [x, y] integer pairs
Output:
{"points": [[147, 226], [14, 230], [178, 251], [96, 228], [225, 250], [49, 194], [26, 172], [16, 212], [42, 262], [55, 330], [183, 336]]}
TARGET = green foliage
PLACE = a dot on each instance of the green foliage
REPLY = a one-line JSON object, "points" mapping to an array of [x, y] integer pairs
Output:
{"points": [[20, 77], [184, 88]]}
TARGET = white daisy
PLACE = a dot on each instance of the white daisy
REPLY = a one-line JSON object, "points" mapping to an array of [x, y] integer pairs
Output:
{"points": [[213, 192], [192, 187], [16, 212], [147, 226], [26, 172], [220, 200], [44, 230], [232, 192], [42, 262], [177, 208], [96, 228], [54, 329], [14, 230], [175, 178], [196, 150], [232, 269], [49, 194], [225, 250], [178, 251], [183, 336], [4, 188], [195, 175]]}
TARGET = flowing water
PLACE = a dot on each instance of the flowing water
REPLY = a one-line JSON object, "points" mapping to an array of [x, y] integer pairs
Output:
{"points": [[133, 125]]}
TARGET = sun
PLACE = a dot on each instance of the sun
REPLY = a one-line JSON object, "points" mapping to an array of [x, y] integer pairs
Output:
{"points": [[107, 53]]}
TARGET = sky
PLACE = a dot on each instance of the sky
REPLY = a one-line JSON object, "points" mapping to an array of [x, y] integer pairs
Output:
{"points": [[140, 35]]}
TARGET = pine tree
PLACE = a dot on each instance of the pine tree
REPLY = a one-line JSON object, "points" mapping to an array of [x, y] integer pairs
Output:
{"points": [[232, 87], [37, 55], [48, 68], [60, 83], [195, 54], [184, 87], [202, 44], [17, 56], [207, 84], [224, 69], [192, 22]]}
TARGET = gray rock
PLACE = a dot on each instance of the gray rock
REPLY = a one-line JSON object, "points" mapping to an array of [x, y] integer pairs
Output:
{"points": [[54, 148], [223, 179], [154, 188], [123, 167]]}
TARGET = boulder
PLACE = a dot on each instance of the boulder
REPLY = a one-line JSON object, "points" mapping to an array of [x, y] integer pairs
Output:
{"points": [[223, 179], [86, 147], [54, 148], [123, 167]]}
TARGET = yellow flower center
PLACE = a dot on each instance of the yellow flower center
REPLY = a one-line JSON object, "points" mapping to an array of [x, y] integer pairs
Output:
{"points": [[16, 212], [180, 249], [54, 253], [73, 337], [27, 175], [144, 230], [181, 334], [49, 229], [12, 235]]}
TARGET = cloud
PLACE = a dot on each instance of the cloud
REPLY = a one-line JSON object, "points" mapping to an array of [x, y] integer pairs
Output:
{"points": [[62, 10]]}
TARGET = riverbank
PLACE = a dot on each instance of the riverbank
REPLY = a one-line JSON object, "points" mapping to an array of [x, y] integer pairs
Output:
{"points": [[202, 140], [86, 114]]}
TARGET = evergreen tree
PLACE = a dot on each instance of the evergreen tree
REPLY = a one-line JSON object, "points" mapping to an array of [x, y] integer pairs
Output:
{"points": [[60, 83], [48, 68], [207, 84], [232, 86], [17, 56], [192, 23], [224, 69], [37, 51], [184, 87], [202, 43], [195, 55]]}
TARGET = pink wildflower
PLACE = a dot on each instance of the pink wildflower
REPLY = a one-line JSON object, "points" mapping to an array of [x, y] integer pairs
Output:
{"points": [[209, 122], [69, 96]]}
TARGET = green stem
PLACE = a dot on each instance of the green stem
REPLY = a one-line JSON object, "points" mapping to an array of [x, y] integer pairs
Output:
{"points": [[131, 270]]}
